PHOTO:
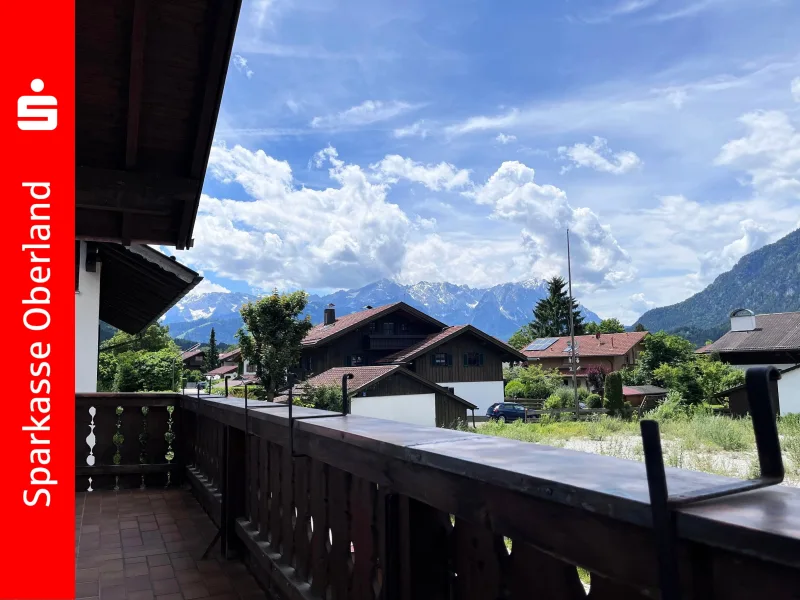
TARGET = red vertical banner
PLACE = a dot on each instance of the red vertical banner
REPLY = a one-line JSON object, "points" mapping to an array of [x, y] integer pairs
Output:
{"points": [[37, 426]]}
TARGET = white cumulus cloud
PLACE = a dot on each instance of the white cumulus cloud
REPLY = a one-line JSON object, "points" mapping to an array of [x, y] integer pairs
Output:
{"points": [[769, 153], [443, 176], [290, 236], [366, 113], [598, 156], [545, 215]]}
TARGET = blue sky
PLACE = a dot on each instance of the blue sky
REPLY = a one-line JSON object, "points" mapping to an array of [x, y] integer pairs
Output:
{"points": [[458, 141]]}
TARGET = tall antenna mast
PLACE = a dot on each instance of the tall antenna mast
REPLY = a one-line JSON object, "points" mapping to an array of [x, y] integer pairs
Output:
{"points": [[572, 333]]}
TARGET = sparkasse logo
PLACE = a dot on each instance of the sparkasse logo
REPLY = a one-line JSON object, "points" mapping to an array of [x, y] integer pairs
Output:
{"points": [[30, 112]]}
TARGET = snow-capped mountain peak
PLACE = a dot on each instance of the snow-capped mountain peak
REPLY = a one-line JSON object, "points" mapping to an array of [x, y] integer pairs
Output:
{"points": [[499, 310]]}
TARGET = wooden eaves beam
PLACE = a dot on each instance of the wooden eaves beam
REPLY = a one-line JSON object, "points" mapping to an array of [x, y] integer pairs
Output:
{"points": [[135, 81]]}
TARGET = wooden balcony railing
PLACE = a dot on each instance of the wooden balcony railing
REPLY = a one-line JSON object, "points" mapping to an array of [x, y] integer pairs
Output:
{"points": [[127, 440], [357, 508], [400, 341]]}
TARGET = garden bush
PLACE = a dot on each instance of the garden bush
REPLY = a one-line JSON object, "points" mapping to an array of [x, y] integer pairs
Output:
{"points": [[515, 389], [594, 401]]}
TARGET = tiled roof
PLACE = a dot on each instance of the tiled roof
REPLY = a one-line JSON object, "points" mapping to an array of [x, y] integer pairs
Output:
{"points": [[190, 354], [642, 390], [777, 331], [223, 370], [232, 355], [320, 333], [365, 376], [436, 339], [420, 347], [607, 344], [362, 376]]}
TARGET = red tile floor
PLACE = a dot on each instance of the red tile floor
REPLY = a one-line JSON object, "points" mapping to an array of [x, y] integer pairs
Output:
{"points": [[147, 544]]}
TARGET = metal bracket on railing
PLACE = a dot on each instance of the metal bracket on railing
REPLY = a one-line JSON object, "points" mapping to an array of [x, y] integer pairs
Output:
{"points": [[292, 419], [758, 382]]}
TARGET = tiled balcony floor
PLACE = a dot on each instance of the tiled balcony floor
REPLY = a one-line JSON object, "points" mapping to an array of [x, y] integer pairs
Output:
{"points": [[147, 544]]}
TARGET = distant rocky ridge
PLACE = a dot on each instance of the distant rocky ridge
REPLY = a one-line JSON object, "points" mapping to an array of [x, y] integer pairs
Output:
{"points": [[765, 281], [499, 310]]}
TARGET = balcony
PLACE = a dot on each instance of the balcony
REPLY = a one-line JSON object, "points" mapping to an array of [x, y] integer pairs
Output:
{"points": [[400, 341], [332, 506]]}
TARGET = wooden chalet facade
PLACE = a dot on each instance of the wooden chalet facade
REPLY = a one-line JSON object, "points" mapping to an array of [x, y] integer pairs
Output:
{"points": [[462, 358], [364, 338], [193, 358]]}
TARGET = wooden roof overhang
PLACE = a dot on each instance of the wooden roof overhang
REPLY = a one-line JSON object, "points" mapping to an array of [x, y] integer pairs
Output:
{"points": [[139, 284], [149, 81]]}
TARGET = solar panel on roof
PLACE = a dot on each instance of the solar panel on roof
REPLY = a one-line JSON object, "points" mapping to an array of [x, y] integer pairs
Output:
{"points": [[541, 343]]}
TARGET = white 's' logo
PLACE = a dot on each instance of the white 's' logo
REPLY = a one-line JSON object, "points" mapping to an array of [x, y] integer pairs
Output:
{"points": [[31, 115]]}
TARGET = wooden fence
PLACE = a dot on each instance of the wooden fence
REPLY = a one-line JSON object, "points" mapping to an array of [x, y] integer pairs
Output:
{"points": [[356, 508]]}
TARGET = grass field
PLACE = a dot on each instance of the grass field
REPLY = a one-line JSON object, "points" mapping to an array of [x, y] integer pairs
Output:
{"points": [[708, 443]]}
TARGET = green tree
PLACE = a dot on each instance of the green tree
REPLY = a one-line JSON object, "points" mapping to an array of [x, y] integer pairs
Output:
{"points": [[614, 400], [148, 371], [639, 327], [156, 337], [683, 377], [551, 314], [521, 338], [212, 354], [271, 336], [106, 371], [604, 326], [662, 348]]}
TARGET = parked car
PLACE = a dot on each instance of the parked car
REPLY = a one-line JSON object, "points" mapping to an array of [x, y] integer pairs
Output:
{"points": [[506, 411]]}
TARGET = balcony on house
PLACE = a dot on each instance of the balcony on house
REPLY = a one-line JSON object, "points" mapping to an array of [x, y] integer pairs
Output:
{"points": [[391, 341], [333, 506]]}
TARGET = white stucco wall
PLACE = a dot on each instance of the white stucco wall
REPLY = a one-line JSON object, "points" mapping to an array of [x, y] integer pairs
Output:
{"points": [[87, 324], [481, 393], [789, 392], [417, 409]]}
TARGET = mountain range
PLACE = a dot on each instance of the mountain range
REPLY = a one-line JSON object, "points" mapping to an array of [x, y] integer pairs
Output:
{"points": [[765, 281], [499, 310]]}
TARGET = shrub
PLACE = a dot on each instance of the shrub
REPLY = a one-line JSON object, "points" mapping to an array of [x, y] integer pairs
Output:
{"points": [[583, 394], [324, 397], [672, 408], [563, 397], [594, 401], [614, 400], [515, 389], [539, 383]]}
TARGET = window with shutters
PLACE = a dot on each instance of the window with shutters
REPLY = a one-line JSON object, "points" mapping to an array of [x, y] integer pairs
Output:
{"points": [[356, 360], [388, 329], [473, 359]]}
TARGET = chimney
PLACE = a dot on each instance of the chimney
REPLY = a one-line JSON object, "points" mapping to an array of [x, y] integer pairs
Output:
{"points": [[329, 315], [597, 335], [743, 319]]}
